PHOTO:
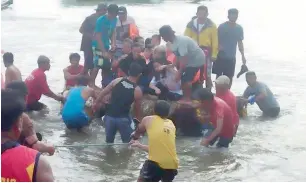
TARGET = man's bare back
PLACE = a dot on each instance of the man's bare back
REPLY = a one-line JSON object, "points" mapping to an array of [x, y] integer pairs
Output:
{"points": [[12, 73]]}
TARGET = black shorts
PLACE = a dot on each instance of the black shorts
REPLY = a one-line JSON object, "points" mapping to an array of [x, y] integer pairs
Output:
{"points": [[88, 59], [189, 73], [272, 112], [35, 106], [151, 172], [224, 66]]}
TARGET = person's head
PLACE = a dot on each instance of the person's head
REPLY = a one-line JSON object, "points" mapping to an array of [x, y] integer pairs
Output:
{"points": [[167, 33], [122, 13], [232, 15], [43, 62], [82, 81], [135, 70], [222, 83], [202, 12], [101, 9], [148, 41], [139, 39], [162, 109], [74, 59], [160, 56], [20, 87], [137, 49], [148, 50], [127, 46], [8, 59], [112, 11], [251, 78], [12, 108], [206, 98], [156, 39]]}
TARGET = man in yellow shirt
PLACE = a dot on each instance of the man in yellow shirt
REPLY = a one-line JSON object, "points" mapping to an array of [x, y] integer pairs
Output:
{"points": [[205, 33], [162, 163]]}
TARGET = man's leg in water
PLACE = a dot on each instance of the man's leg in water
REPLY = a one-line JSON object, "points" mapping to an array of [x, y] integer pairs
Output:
{"points": [[208, 82], [124, 127], [110, 129], [168, 175], [150, 172]]}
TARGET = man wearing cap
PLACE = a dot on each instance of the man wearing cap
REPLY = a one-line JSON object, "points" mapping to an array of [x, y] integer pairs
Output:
{"points": [[124, 29], [190, 58], [230, 34], [87, 30], [221, 126], [261, 94], [224, 93], [105, 38]]}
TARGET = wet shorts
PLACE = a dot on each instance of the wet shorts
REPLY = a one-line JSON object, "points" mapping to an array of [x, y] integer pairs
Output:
{"points": [[99, 61], [224, 66], [76, 122], [151, 172], [189, 73], [222, 141]]}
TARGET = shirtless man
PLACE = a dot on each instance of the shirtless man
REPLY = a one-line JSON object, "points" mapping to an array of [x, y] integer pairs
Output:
{"points": [[12, 73], [28, 135]]}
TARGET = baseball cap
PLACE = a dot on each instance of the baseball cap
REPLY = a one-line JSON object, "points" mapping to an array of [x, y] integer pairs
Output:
{"points": [[165, 29], [122, 10], [101, 6], [223, 80]]}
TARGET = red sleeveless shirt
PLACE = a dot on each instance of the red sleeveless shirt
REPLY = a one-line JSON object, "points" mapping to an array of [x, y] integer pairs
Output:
{"points": [[74, 71], [19, 164]]}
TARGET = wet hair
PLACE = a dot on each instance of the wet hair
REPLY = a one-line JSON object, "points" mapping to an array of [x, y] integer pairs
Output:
{"points": [[137, 45], [18, 86], [12, 107], [129, 41], [162, 108], [113, 9], [135, 70], [250, 73], [8, 57], [233, 11], [203, 94], [42, 59], [202, 7], [74, 56], [157, 36], [137, 39], [82, 81], [148, 41]]}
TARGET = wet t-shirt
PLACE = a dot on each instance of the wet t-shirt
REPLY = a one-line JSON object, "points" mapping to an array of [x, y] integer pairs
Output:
{"points": [[230, 99], [185, 46], [269, 102]]}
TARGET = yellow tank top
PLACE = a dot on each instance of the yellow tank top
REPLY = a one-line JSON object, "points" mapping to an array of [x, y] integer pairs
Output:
{"points": [[162, 147]]}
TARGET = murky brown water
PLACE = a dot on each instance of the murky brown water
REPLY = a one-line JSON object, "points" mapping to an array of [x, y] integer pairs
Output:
{"points": [[264, 149]]}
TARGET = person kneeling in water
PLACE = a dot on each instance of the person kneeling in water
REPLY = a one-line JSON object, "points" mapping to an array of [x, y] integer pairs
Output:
{"points": [[28, 135], [163, 162], [73, 113], [222, 125], [261, 94]]}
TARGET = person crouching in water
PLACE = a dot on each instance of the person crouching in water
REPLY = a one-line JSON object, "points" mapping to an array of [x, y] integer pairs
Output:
{"points": [[74, 112], [261, 94], [223, 84], [28, 135], [73, 71], [124, 92], [164, 82], [221, 124], [163, 162]]}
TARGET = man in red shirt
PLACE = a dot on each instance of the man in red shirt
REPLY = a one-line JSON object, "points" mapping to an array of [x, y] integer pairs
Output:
{"points": [[37, 85], [221, 126], [73, 71], [223, 84]]}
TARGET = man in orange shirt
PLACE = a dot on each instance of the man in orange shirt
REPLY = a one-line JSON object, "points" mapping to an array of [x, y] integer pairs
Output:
{"points": [[223, 83]]}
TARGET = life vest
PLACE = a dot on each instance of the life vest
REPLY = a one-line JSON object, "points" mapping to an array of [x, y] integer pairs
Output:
{"points": [[133, 31], [18, 163]]}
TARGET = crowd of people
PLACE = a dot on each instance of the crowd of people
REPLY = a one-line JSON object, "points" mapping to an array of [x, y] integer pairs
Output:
{"points": [[132, 67]]}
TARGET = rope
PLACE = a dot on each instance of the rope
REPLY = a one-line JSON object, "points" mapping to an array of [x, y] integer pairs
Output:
{"points": [[91, 145]]}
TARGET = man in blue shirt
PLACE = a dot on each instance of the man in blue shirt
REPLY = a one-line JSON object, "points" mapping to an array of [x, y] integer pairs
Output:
{"points": [[105, 39], [261, 94], [229, 34]]}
